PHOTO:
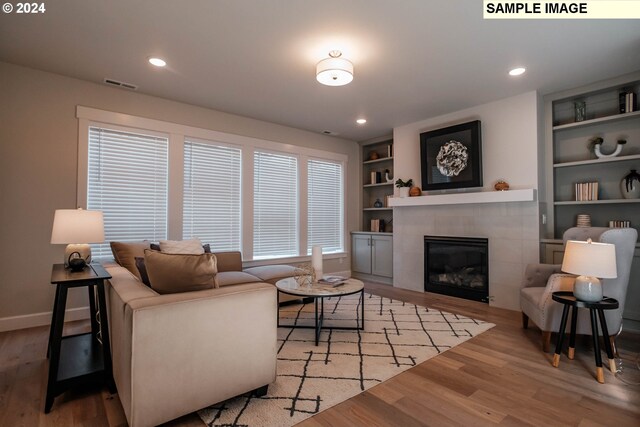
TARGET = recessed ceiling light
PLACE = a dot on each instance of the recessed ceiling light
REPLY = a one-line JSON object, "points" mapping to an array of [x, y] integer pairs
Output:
{"points": [[361, 121], [517, 71], [157, 62]]}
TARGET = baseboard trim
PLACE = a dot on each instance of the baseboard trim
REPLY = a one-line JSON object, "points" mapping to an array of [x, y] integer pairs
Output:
{"points": [[40, 319]]}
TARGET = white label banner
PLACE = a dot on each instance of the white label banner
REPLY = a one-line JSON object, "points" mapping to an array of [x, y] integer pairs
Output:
{"points": [[586, 9]]}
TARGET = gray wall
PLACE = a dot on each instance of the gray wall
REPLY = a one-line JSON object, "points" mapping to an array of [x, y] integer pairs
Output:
{"points": [[38, 169]]}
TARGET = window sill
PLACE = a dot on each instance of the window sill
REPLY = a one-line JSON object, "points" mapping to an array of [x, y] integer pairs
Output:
{"points": [[291, 260]]}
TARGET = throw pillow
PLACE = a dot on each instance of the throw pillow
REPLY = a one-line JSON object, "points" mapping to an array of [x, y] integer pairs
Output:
{"points": [[190, 247], [173, 273], [206, 247], [125, 254], [142, 269]]}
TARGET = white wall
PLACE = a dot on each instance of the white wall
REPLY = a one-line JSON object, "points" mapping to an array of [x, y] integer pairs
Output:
{"points": [[38, 172], [509, 151]]}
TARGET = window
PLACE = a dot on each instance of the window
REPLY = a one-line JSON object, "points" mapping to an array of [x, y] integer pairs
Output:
{"points": [[325, 206], [275, 205], [127, 180], [211, 196]]}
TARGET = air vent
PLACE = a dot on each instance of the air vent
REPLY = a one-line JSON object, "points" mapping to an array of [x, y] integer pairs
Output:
{"points": [[117, 83], [330, 133]]}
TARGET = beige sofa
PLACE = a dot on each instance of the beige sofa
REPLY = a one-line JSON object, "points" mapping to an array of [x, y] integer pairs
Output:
{"points": [[176, 353]]}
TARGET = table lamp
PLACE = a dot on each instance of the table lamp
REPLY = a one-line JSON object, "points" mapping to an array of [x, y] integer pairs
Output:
{"points": [[589, 261], [77, 228]]}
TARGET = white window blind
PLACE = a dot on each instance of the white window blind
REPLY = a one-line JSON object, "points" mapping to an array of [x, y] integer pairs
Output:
{"points": [[127, 180], [212, 191], [275, 205], [325, 206]]}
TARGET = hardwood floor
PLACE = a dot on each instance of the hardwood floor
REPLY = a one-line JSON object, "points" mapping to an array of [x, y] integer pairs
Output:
{"points": [[500, 377]]}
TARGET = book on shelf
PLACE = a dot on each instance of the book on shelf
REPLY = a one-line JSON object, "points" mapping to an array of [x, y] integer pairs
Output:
{"points": [[619, 224], [377, 225], [373, 177], [390, 150], [627, 102], [586, 191]]}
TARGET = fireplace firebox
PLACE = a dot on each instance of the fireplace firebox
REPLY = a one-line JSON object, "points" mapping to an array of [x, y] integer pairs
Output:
{"points": [[457, 266]]}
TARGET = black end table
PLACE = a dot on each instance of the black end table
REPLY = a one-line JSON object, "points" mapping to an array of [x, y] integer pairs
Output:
{"points": [[568, 300], [81, 358]]}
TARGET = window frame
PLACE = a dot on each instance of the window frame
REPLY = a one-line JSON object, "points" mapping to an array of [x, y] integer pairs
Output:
{"points": [[177, 134]]}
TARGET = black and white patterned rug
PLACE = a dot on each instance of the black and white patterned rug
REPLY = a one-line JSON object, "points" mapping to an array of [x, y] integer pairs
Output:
{"points": [[311, 379]]}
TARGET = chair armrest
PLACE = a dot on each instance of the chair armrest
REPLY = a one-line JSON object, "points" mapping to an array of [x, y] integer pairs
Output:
{"points": [[537, 275], [557, 282]]}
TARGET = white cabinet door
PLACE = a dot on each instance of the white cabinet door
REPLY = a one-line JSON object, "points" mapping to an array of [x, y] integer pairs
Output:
{"points": [[361, 248], [382, 256]]}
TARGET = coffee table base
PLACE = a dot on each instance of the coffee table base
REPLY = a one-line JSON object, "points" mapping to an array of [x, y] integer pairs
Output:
{"points": [[319, 316]]}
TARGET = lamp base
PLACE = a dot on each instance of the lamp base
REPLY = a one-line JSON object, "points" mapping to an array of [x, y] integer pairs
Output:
{"points": [[74, 252], [588, 289]]}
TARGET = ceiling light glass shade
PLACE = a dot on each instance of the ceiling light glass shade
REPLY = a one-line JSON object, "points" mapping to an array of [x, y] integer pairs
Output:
{"points": [[334, 72]]}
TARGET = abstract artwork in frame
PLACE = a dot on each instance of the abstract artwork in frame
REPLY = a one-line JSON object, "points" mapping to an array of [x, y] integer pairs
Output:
{"points": [[451, 157]]}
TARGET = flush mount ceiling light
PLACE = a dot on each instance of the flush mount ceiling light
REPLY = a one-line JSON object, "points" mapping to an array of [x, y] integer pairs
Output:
{"points": [[517, 71], [361, 121], [158, 62], [334, 71]]}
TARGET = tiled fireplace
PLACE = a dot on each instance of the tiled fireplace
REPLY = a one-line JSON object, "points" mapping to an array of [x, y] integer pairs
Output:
{"points": [[457, 266]]}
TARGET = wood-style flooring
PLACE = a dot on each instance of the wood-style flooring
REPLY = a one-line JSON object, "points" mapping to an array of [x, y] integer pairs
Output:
{"points": [[500, 377]]}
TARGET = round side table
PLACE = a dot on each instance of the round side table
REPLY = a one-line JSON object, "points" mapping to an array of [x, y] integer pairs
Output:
{"points": [[568, 300]]}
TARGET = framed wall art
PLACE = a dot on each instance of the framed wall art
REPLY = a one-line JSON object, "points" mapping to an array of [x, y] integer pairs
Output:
{"points": [[451, 157]]}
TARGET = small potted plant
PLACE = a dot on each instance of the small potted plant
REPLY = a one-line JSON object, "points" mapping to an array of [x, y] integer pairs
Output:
{"points": [[404, 186]]}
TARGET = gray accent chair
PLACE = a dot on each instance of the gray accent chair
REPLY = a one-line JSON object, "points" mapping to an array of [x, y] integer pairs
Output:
{"points": [[541, 280]]}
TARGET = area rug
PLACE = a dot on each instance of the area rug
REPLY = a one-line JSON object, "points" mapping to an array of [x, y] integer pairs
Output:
{"points": [[312, 378]]}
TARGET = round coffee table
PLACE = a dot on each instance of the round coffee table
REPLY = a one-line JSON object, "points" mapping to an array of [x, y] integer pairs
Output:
{"points": [[319, 292]]}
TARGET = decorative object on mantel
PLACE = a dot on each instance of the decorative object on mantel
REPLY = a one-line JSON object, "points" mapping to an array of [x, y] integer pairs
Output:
{"points": [[415, 192], [451, 157], [630, 185], [501, 185], [590, 261], [404, 186], [619, 224], [374, 155], [584, 220], [388, 177], [597, 144], [377, 203], [580, 111]]}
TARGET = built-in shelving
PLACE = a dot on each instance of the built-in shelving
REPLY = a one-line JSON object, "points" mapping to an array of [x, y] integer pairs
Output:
{"points": [[378, 185], [597, 161], [598, 121], [383, 159], [377, 209], [596, 202]]}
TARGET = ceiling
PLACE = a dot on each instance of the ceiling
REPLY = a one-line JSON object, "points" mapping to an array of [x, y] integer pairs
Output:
{"points": [[413, 59]]}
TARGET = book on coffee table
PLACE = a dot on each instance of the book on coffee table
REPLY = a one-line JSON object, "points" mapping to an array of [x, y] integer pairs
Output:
{"points": [[332, 280]]}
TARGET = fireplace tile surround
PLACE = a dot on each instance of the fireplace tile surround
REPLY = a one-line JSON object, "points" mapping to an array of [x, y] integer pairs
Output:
{"points": [[512, 230]]}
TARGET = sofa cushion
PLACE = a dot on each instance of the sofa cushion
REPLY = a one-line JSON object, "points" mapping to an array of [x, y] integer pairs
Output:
{"points": [[190, 247], [229, 261], [272, 273], [227, 278], [173, 273], [125, 254], [142, 269], [205, 247]]}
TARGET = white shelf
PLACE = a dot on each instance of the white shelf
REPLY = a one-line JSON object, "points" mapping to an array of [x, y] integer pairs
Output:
{"points": [[599, 120], [596, 161], [377, 209], [524, 195], [383, 159], [596, 202], [381, 184]]}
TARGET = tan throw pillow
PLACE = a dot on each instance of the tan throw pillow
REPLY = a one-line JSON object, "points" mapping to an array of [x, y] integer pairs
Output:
{"points": [[125, 254], [173, 273], [191, 247]]}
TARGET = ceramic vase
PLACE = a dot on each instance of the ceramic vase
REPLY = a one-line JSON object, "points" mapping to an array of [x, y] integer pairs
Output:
{"points": [[630, 185], [404, 191]]}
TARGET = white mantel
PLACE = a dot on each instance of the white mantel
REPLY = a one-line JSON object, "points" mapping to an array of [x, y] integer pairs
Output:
{"points": [[523, 195]]}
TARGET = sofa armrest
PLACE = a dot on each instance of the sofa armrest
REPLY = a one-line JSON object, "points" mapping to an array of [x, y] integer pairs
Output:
{"points": [[537, 275], [229, 261], [195, 349]]}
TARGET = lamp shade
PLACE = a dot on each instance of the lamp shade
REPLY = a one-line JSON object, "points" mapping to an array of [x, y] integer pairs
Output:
{"points": [[77, 226], [334, 71], [590, 259]]}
